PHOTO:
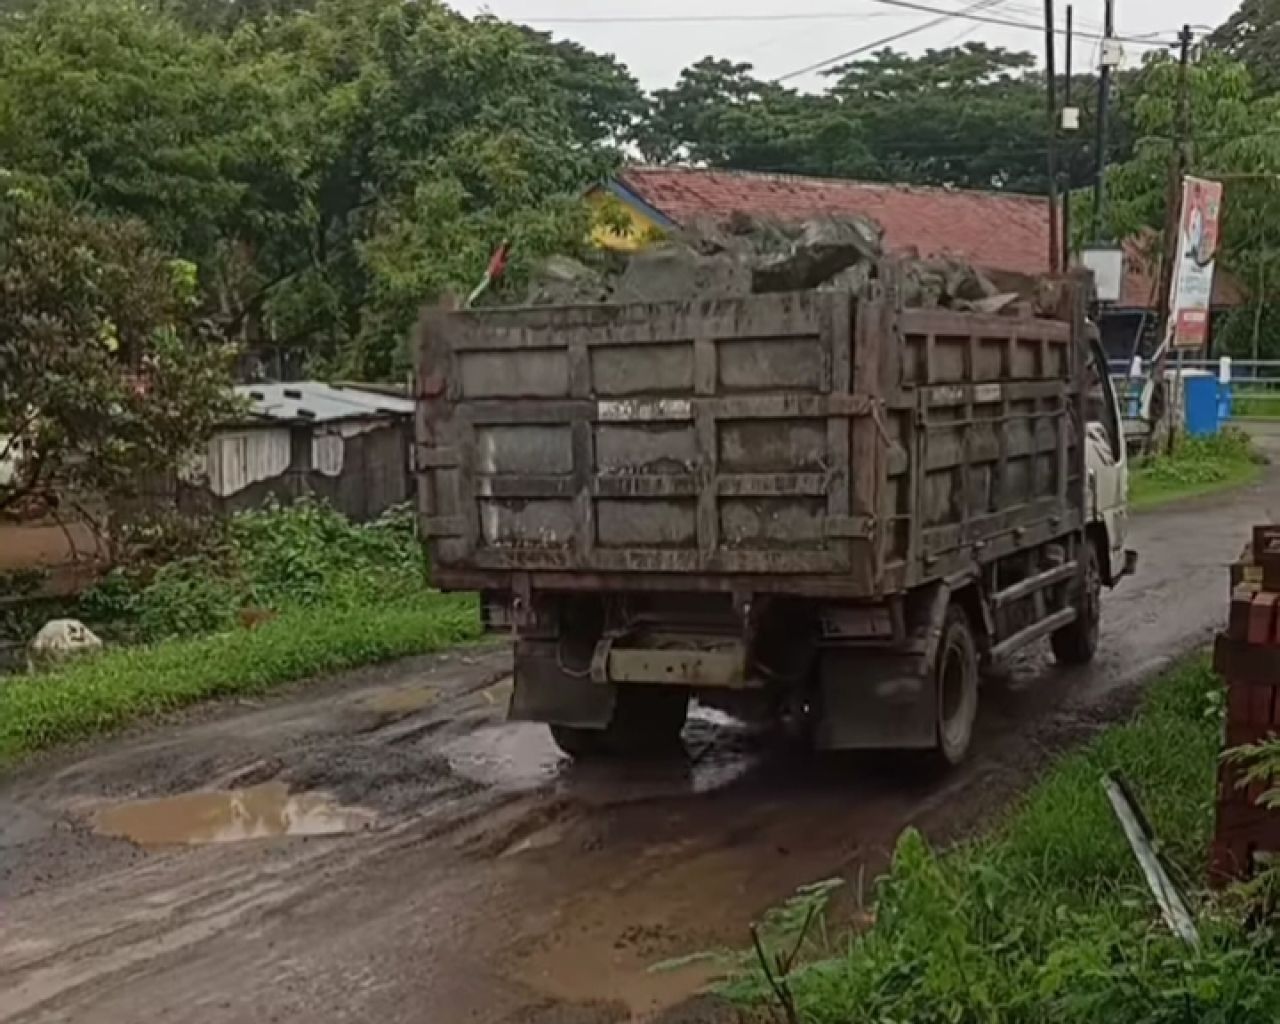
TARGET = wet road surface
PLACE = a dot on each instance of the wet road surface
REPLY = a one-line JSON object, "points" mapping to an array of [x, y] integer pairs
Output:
{"points": [[382, 847]]}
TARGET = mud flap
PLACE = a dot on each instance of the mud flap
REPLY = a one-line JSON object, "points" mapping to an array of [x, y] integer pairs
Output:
{"points": [[871, 701], [884, 700], [545, 692]]}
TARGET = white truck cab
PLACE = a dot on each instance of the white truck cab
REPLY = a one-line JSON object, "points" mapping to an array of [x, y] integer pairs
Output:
{"points": [[1107, 465]]}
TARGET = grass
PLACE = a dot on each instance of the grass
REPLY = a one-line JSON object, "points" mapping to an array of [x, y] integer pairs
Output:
{"points": [[123, 685], [1198, 466], [1048, 919], [1255, 402]]}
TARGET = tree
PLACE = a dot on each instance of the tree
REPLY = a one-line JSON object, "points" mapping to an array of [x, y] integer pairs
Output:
{"points": [[431, 138], [109, 103], [603, 100], [720, 114], [1235, 137], [1252, 36], [284, 146], [971, 117], [105, 377]]}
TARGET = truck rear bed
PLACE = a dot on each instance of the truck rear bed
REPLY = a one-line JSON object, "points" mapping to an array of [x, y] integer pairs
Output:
{"points": [[811, 442]]}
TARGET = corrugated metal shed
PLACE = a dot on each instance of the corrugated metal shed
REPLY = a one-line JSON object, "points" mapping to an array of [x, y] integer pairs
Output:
{"points": [[311, 401]]}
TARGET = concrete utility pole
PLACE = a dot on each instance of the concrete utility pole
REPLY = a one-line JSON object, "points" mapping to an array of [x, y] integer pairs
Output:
{"points": [[1179, 160], [1101, 140], [1051, 99], [1071, 149]]}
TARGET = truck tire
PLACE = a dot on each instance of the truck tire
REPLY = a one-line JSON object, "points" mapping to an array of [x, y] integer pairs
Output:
{"points": [[646, 720], [1076, 643], [956, 677]]}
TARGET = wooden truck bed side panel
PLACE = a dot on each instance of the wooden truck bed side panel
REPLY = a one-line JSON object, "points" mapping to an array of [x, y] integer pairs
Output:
{"points": [[801, 443], [707, 437]]}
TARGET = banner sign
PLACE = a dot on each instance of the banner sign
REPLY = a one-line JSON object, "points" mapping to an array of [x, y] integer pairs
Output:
{"points": [[1193, 267]]}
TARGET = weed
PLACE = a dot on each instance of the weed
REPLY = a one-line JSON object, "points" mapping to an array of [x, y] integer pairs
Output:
{"points": [[1048, 919], [1198, 465], [305, 555]]}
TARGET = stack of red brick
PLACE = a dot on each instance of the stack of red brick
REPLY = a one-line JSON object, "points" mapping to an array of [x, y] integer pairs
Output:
{"points": [[1248, 658]]}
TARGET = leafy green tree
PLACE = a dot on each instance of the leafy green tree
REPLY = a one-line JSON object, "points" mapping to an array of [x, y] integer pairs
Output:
{"points": [[970, 116], [1252, 35], [109, 103], [718, 113], [105, 376]]}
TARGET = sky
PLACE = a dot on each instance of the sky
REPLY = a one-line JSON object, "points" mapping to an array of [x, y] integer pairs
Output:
{"points": [[784, 37]]}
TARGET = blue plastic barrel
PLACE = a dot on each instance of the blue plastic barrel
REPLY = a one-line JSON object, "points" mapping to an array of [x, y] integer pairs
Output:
{"points": [[1201, 394]]}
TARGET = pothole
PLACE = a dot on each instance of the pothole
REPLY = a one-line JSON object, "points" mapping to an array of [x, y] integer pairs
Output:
{"points": [[230, 816]]}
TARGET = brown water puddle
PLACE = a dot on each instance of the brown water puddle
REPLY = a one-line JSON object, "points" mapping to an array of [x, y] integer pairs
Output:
{"points": [[402, 701], [233, 816]]}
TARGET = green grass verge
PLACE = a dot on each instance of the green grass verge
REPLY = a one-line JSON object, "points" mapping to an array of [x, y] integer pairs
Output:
{"points": [[1147, 491], [119, 686], [1198, 466], [1048, 919]]}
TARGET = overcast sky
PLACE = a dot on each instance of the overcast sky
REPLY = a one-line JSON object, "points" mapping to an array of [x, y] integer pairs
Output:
{"points": [[788, 35]]}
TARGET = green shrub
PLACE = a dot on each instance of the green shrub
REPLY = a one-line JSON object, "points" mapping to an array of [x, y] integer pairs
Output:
{"points": [[1197, 465], [1048, 919], [304, 555]]}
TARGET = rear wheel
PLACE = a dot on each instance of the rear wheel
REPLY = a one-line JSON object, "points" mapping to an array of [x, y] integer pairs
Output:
{"points": [[956, 679], [1075, 644], [646, 720]]}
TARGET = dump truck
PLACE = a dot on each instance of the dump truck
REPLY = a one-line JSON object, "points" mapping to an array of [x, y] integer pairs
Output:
{"points": [[824, 507]]}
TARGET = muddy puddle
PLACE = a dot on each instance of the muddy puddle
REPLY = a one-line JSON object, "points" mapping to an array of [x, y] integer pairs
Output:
{"points": [[523, 756], [402, 701], [233, 816]]}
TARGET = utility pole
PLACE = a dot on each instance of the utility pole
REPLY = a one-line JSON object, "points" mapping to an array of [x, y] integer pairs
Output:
{"points": [[1051, 99], [1178, 163], [1179, 160], [1071, 149], [1101, 141]]}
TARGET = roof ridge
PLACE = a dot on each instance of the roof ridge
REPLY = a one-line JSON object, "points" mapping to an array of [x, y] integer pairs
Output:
{"points": [[784, 176]]}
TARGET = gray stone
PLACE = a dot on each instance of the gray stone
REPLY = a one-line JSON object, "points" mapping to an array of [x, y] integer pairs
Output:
{"points": [[564, 281], [61, 640]]}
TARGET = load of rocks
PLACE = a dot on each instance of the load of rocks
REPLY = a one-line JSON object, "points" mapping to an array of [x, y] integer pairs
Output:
{"points": [[745, 255]]}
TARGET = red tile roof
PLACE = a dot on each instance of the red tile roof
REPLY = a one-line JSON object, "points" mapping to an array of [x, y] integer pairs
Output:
{"points": [[990, 229], [995, 230]]}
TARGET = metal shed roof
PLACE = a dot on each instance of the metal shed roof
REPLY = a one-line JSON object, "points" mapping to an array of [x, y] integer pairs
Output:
{"points": [[315, 402]]}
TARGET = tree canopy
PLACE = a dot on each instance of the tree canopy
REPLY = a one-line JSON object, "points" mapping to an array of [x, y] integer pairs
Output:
{"points": [[330, 165]]}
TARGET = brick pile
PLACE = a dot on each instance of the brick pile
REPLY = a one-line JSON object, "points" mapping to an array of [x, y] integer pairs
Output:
{"points": [[1247, 656]]}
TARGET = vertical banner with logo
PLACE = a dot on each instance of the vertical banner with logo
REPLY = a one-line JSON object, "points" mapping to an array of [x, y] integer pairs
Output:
{"points": [[1193, 266]]}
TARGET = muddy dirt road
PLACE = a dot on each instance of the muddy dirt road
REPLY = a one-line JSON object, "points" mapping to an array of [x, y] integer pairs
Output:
{"points": [[382, 848]]}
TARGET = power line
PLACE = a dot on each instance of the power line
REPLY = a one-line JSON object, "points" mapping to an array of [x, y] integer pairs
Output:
{"points": [[909, 5], [876, 44], [675, 19], [912, 5]]}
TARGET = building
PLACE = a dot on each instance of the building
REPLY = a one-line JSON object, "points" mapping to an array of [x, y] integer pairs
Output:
{"points": [[349, 446], [997, 231]]}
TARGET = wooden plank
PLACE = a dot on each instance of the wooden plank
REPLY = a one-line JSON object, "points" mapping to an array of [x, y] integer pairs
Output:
{"points": [[948, 322], [647, 485], [708, 514], [848, 365], [542, 486], [705, 365], [762, 316], [788, 406], [771, 485], [584, 462]]}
